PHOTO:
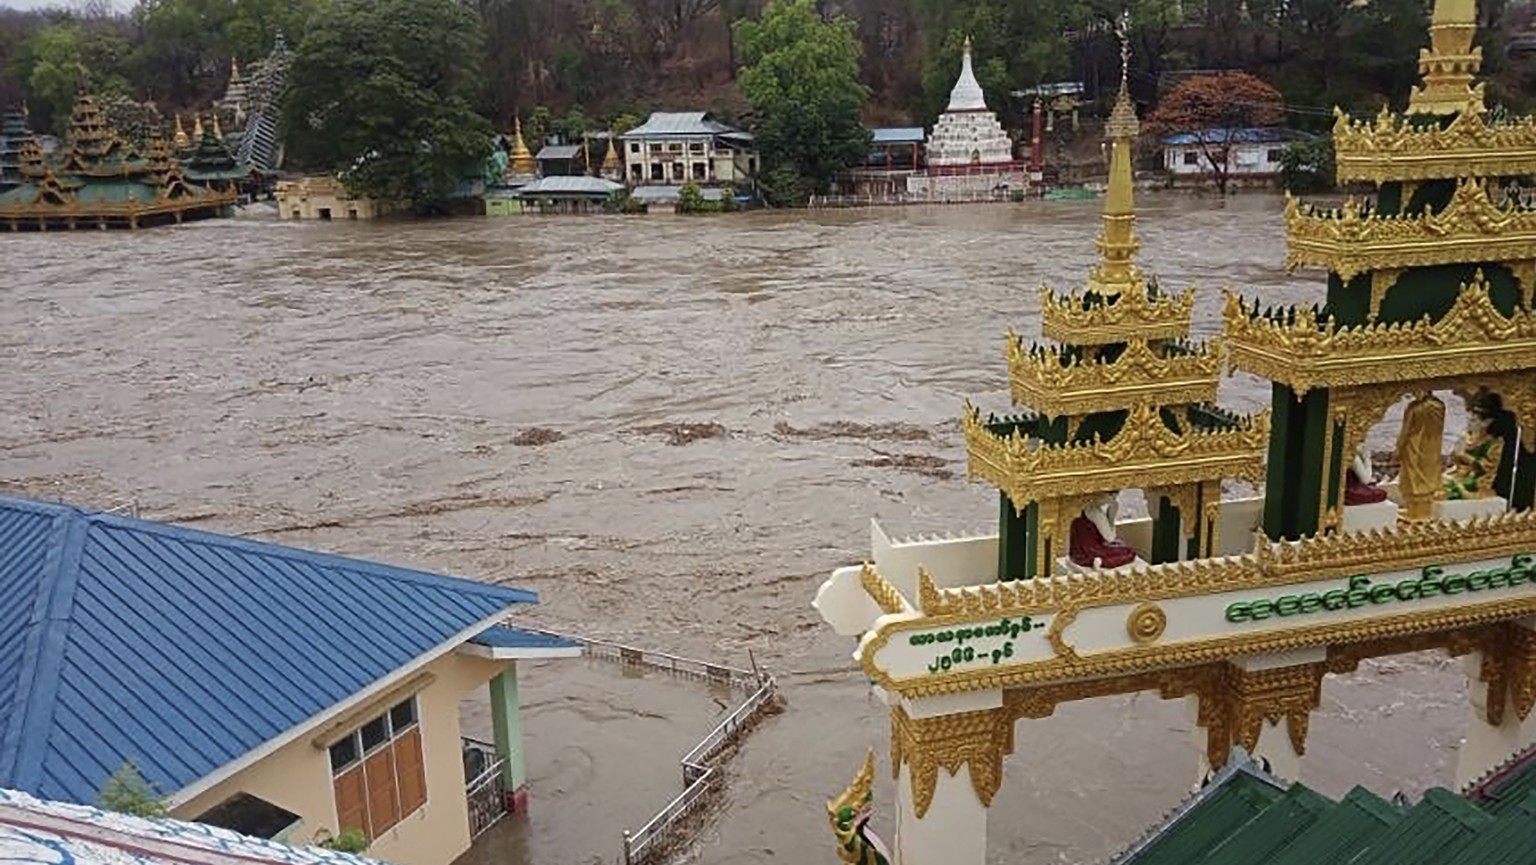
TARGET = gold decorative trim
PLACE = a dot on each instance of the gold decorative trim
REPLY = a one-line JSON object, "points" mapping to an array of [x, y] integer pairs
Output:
{"points": [[1391, 147], [885, 595], [1350, 241], [1077, 320], [976, 740], [1303, 353], [1145, 623], [1340, 555], [1144, 449], [1181, 654], [1403, 547], [1054, 386]]}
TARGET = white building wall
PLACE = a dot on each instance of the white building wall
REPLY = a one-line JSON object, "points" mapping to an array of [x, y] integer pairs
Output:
{"points": [[1246, 159]]}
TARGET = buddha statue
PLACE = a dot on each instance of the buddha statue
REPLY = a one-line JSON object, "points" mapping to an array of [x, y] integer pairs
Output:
{"points": [[1094, 541], [1477, 461], [1359, 483], [1418, 450]]}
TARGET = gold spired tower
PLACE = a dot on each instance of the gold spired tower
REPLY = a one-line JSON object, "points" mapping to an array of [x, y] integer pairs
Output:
{"points": [[1429, 289], [1123, 400]]}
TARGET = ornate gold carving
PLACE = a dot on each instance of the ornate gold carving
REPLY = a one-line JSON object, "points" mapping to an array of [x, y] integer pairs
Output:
{"points": [[977, 740], [1043, 380], [1447, 66], [1349, 241], [1146, 623], [1144, 452], [885, 595], [1283, 693], [1391, 147], [1473, 338], [1521, 666], [1381, 283], [1053, 634], [844, 811], [1340, 555], [1076, 319]]}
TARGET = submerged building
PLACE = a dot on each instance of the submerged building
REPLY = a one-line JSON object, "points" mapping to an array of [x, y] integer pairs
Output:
{"points": [[98, 180]]}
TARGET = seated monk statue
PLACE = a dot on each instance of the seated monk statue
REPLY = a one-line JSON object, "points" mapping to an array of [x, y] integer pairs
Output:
{"points": [[1359, 487], [1094, 542], [1477, 461]]}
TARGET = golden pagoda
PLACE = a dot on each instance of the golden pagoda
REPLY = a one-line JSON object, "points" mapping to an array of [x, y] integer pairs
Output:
{"points": [[1430, 286], [613, 167], [522, 163], [99, 181], [181, 140], [1124, 396], [1240, 605]]}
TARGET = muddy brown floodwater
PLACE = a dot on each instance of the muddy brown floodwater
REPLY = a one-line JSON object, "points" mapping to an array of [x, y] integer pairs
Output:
{"points": [[672, 429]]}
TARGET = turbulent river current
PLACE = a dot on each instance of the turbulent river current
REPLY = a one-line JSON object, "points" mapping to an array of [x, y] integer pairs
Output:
{"points": [[673, 429]]}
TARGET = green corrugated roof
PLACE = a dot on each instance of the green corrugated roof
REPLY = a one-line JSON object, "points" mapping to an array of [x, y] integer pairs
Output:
{"points": [[1221, 812], [1244, 816], [1270, 830], [1433, 831], [1336, 836], [1512, 838]]}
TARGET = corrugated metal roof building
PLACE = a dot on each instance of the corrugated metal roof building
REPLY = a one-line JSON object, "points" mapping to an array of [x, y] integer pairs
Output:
{"points": [[197, 655]]}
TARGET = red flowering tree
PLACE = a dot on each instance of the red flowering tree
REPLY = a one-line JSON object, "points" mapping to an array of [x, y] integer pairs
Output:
{"points": [[1213, 108]]}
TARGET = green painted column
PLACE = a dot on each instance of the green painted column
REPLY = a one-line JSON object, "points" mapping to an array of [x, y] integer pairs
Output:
{"points": [[507, 725], [1167, 532], [1016, 539], [1293, 488]]}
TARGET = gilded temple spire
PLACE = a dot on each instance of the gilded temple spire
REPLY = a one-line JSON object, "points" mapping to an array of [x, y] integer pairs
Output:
{"points": [[1447, 66], [522, 161], [1117, 243]]}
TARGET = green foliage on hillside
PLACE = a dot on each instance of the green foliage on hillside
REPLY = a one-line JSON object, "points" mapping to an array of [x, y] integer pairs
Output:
{"points": [[801, 76], [382, 94]]}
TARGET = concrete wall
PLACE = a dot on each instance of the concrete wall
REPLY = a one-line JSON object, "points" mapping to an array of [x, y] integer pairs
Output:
{"points": [[298, 775]]}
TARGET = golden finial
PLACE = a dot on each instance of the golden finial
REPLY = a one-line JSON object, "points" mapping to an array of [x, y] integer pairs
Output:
{"points": [[179, 138], [197, 127], [1117, 242], [1447, 66], [218, 129], [234, 71]]}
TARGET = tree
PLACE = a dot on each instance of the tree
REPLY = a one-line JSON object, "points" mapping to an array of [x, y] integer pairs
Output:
{"points": [[801, 76], [55, 75], [1214, 108], [381, 95], [126, 792]]}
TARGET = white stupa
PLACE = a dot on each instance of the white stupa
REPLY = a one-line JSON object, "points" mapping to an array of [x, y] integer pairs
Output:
{"points": [[968, 133]]}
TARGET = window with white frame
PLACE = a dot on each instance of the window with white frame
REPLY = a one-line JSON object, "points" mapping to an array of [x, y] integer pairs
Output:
{"points": [[377, 772]]}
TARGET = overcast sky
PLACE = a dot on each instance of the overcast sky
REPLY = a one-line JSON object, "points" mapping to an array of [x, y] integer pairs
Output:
{"points": [[120, 5]]}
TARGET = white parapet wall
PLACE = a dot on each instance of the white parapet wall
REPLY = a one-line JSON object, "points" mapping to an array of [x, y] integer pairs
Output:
{"points": [[968, 559]]}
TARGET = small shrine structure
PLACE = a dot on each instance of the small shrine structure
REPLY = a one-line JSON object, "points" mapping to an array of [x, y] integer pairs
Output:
{"points": [[968, 154], [100, 181], [1275, 552]]}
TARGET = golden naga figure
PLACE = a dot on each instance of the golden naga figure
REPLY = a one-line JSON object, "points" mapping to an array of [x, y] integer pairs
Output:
{"points": [[1475, 464], [1418, 450], [849, 816]]}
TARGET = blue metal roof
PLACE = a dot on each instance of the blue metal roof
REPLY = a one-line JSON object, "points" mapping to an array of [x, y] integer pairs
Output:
{"points": [[184, 650], [897, 135], [504, 637], [1253, 135]]}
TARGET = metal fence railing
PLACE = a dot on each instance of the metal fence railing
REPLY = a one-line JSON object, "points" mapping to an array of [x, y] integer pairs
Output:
{"points": [[703, 774], [485, 787]]}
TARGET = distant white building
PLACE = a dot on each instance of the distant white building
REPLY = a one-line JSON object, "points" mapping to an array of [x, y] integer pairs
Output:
{"points": [[1250, 153], [673, 148]]}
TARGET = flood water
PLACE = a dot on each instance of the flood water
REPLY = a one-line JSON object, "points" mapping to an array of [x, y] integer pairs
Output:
{"points": [[673, 429]]}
